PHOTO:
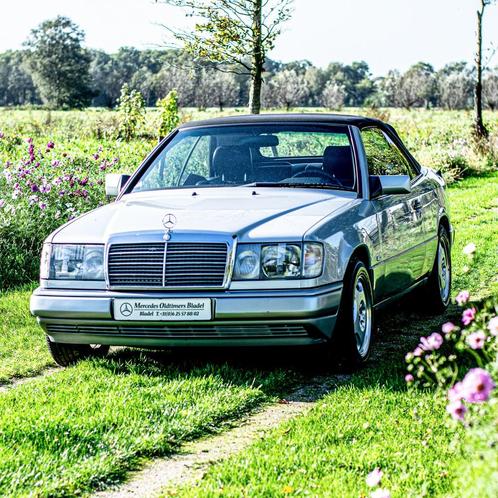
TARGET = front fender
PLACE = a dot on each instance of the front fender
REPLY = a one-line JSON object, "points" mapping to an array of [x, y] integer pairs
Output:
{"points": [[354, 229]]}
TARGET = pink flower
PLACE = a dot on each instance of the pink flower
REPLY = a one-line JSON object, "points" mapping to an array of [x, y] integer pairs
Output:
{"points": [[42, 206], [1, 135], [45, 188], [50, 145], [380, 493], [418, 351], [469, 249], [448, 327], [463, 297], [373, 479], [457, 410], [477, 385], [432, 342], [493, 326], [476, 339], [2, 203], [409, 378], [468, 316], [455, 393]]}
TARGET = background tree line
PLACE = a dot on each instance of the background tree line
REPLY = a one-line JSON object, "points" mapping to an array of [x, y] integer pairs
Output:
{"points": [[55, 70]]}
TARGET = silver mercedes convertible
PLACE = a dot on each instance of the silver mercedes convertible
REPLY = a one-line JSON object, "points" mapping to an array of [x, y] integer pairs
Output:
{"points": [[250, 231]]}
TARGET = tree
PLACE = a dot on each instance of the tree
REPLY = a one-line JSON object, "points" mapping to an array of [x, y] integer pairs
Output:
{"points": [[490, 90], [286, 89], [235, 32], [417, 86], [59, 64], [333, 95], [354, 78], [216, 89], [16, 84], [480, 130], [455, 91]]}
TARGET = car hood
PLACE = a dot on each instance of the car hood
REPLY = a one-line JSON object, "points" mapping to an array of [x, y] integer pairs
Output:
{"points": [[259, 214]]}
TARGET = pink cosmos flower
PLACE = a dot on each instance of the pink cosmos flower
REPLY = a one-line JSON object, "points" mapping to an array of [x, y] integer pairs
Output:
{"points": [[493, 326], [448, 327], [418, 351], [468, 316], [455, 393], [432, 342], [96, 157], [477, 385], [463, 297], [380, 493], [469, 249], [1, 135], [50, 145], [476, 340], [42, 206], [45, 188], [457, 410], [2, 203], [373, 479], [409, 378]]}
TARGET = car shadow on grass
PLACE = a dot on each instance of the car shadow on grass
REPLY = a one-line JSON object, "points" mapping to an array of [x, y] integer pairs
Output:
{"points": [[280, 369]]}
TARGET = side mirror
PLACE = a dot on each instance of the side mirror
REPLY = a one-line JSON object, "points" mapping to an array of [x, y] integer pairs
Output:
{"points": [[389, 185], [114, 183]]}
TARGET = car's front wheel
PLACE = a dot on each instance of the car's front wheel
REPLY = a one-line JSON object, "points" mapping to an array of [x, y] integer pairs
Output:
{"points": [[68, 354], [354, 330]]}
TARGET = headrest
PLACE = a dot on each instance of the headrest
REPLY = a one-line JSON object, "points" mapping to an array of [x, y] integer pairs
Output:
{"points": [[338, 161], [232, 163]]}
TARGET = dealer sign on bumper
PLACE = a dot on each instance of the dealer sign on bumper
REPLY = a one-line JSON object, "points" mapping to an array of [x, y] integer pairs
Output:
{"points": [[162, 309]]}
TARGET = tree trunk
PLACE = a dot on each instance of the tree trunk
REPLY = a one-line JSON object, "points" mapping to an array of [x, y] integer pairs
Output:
{"points": [[479, 128], [258, 59]]}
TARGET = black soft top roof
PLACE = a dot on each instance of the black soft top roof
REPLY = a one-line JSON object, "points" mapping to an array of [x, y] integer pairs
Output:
{"points": [[359, 121]]}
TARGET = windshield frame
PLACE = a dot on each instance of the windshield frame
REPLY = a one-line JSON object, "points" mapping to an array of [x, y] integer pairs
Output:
{"points": [[151, 157]]}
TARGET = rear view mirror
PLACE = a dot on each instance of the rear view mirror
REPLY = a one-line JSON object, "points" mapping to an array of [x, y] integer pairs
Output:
{"points": [[389, 185], [114, 183]]}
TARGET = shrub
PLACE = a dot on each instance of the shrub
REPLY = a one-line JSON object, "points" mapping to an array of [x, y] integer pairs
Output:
{"points": [[131, 105], [40, 192], [170, 117]]}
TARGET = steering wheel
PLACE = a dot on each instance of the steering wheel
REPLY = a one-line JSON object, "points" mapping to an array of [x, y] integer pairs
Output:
{"points": [[317, 172]]}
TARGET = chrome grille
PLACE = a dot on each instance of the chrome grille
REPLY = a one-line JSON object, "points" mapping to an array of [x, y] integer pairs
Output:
{"points": [[185, 264], [191, 264]]}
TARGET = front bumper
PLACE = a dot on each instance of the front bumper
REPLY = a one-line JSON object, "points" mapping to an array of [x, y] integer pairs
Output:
{"points": [[240, 318]]}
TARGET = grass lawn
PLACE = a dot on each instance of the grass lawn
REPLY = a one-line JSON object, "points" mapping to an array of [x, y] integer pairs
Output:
{"points": [[89, 424], [22, 344], [373, 421]]}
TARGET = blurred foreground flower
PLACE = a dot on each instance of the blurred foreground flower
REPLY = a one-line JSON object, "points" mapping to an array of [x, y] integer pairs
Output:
{"points": [[462, 297], [373, 479], [469, 249]]}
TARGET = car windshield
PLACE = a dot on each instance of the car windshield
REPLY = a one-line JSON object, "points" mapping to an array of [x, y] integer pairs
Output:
{"points": [[281, 155]]}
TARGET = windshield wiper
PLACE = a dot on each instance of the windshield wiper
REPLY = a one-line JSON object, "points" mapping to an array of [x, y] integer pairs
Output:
{"points": [[297, 185]]}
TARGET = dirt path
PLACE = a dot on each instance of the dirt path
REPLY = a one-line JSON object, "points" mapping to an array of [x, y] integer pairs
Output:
{"points": [[195, 457], [14, 382]]}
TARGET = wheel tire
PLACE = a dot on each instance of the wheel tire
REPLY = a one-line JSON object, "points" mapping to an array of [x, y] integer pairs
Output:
{"points": [[69, 354], [352, 339], [438, 288]]}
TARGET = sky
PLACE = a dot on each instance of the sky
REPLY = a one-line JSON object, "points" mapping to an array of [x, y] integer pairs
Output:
{"points": [[387, 34]]}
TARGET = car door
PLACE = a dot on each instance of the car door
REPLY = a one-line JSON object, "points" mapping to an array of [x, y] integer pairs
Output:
{"points": [[400, 217]]}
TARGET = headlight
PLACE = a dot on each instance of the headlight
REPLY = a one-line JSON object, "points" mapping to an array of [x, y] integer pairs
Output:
{"points": [[77, 262], [313, 260], [247, 265], [278, 261], [45, 261], [281, 261]]}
